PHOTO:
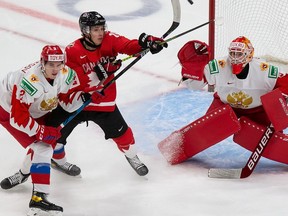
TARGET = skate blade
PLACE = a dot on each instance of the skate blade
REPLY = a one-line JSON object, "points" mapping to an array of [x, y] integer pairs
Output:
{"points": [[39, 212]]}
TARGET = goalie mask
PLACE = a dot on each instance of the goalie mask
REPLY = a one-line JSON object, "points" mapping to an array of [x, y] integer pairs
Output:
{"points": [[241, 53]]}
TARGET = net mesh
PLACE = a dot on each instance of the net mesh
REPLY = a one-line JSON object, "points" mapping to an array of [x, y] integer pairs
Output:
{"points": [[264, 22]]}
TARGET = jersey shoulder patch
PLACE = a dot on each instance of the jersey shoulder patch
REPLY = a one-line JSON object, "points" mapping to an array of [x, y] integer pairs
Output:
{"points": [[28, 86], [70, 75], [213, 66], [273, 72]]}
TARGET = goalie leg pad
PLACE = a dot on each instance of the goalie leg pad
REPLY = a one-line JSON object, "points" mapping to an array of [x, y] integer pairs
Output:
{"points": [[195, 137], [276, 109], [250, 134]]}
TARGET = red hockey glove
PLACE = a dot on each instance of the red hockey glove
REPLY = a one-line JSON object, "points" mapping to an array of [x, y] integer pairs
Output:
{"points": [[47, 134], [97, 97], [151, 42], [91, 93], [106, 66], [193, 57]]}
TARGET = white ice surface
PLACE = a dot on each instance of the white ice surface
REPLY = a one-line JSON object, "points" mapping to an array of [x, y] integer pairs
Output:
{"points": [[152, 104]]}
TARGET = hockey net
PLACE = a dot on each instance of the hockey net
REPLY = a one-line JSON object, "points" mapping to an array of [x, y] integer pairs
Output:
{"points": [[264, 22]]}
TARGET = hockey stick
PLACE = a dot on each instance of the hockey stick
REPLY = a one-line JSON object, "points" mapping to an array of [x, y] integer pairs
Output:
{"points": [[175, 24], [143, 52], [272, 102], [251, 163]]}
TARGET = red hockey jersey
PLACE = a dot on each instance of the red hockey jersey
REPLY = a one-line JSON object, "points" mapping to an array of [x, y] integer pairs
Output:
{"points": [[83, 61]]}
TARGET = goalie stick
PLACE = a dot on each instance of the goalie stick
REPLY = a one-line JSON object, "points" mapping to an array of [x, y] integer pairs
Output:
{"points": [[251, 163], [274, 103], [175, 24]]}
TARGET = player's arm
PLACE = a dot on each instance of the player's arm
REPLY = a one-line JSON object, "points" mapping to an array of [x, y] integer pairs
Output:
{"points": [[20, 117], [69, 95]]}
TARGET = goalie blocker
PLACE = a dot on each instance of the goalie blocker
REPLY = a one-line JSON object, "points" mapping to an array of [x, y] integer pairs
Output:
{"points": [[199, 135]]}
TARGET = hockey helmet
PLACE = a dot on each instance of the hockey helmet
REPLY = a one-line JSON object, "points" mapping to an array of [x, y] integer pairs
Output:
{"points": [[241, 53], [88, 19], [52, 53]]}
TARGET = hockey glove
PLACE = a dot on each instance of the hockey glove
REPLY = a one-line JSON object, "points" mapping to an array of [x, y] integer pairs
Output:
{"points": [[106, 66], [47, 134], [96, 97], [155, 44], [193, 57]]}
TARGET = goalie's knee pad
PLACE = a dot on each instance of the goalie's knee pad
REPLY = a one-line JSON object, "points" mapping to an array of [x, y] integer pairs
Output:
{"points": [[125, 141], [250, 134], [195, 137]]}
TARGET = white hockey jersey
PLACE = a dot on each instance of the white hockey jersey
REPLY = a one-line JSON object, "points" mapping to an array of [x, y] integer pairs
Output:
{"points": [[27, 95], [241, 93]]}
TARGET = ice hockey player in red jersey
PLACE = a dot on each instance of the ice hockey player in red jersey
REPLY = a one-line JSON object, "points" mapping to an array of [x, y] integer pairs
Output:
{"points": [[93, 57], [27, 96], [240, 80]]}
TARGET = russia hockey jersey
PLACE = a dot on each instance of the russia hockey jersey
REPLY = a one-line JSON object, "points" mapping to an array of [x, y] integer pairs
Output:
{"points": [[242, 93], [27, 95]]}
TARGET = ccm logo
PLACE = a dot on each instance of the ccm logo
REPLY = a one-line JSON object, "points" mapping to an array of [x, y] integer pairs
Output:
{"points": [[256, 155]]}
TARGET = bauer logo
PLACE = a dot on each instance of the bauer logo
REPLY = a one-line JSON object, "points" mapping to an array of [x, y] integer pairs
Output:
{"points": [[273, 72], [260, 148]]}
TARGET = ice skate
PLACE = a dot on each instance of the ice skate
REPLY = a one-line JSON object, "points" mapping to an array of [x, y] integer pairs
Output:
{"points": [[12, 181], [137, 165], [67, 168], [40, 206]]}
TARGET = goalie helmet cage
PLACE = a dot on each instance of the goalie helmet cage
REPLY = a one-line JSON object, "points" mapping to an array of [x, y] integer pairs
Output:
{"points": [[263, 22]]}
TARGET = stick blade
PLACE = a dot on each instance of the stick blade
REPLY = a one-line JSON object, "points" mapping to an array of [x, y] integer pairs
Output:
{"points": [[176, 17], [224, 173]]}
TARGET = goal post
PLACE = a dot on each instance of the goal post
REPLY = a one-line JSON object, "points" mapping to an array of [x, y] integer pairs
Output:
{"points": [[263, 22]]}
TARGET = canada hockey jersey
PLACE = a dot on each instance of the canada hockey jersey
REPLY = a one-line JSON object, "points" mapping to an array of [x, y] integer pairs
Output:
{"points": [[83, 61], [27, 95]]}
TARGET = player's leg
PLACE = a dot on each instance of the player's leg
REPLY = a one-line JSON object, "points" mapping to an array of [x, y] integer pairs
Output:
{"points": [[115, 127], [275, 106], [22, 174], [199, 135], [40, 175], [59, 158]]}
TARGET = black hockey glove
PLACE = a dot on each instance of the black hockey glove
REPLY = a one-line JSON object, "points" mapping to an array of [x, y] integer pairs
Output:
{"points": [[106, 66], [155, 44]]}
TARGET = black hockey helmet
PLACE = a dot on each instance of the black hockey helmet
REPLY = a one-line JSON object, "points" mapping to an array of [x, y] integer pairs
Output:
{"points": [[88, 19]]}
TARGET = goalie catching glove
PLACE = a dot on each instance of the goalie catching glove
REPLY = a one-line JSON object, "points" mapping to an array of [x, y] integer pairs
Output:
{"points": [[155, 44], [106, 66], [193, 57]]}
